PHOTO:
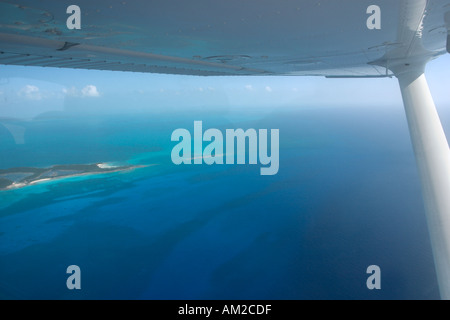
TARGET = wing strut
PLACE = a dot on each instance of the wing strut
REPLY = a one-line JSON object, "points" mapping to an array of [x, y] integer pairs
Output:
{"points": [[433, 160]]}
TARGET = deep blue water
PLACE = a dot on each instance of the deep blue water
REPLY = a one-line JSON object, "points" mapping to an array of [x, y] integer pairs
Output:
{"points": [[347, 196]]}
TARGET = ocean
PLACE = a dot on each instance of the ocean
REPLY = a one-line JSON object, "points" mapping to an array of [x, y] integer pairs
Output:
{"points": [[347, 196]]}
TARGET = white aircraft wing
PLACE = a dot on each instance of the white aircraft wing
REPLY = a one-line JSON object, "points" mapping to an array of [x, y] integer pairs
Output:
{"points": [[233, 37]]}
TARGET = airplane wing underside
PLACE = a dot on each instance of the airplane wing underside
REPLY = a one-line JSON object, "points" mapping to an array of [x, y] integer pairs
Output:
{"points": [[233, 37]]}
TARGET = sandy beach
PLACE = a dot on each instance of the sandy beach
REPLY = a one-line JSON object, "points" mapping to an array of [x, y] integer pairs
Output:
{"points": [[57, 172]]}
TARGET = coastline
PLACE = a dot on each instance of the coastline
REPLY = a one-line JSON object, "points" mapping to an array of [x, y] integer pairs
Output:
{"points": [[58, 172]]}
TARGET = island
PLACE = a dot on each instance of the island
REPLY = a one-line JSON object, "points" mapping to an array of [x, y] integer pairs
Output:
{"points": [[21, 177]]}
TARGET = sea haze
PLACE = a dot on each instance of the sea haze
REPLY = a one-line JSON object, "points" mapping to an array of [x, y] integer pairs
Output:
{"points": [[347, 196]]}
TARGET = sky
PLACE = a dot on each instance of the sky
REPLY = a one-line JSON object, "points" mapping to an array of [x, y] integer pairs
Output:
{"points": [[27, 92]]}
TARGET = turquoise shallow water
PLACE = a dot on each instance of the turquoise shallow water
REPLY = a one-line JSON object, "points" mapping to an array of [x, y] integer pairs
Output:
{"points": [[346, 196]]}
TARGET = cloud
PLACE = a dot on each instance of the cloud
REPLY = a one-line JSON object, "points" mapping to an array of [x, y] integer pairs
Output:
{"points": [[30, 92], [249, 87], [268, 89], [90, 91]]}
